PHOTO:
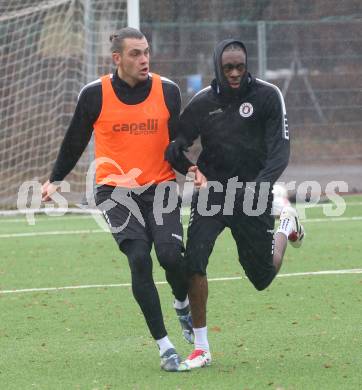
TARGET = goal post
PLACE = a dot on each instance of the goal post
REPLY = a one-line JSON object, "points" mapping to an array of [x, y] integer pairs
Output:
{"points": [[133, 13], [48, 51]]}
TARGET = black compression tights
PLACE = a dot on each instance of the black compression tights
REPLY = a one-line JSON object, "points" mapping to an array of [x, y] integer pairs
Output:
{"points": [[143, 286]]}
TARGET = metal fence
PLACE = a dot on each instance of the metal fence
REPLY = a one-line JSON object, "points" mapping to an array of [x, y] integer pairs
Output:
{"points": [[317, 65]]}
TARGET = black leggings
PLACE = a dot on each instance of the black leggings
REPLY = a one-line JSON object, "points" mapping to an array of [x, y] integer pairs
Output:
{"points": [[143, 286]]}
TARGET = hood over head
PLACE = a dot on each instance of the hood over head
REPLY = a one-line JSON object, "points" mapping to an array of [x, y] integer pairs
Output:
{"points": [[220, 84]]}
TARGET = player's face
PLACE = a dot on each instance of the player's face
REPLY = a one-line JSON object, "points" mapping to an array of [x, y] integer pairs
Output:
{"points": [[133, 62], [233, 64]]}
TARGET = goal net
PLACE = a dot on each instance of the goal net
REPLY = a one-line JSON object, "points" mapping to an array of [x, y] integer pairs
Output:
{"points": [[48, 51]]}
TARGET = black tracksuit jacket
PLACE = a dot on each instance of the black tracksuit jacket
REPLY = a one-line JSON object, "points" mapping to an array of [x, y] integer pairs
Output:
{"points": [[244, 133]]}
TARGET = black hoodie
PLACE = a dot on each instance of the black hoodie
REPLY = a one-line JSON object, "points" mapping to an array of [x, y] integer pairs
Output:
{"points": [[220, 84], [244, 133]]}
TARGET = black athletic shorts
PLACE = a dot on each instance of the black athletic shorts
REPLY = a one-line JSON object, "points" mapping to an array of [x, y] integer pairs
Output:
{"points": [[253, 236], [136, 216]]}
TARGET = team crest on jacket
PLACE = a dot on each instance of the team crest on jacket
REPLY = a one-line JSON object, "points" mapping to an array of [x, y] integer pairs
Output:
{"points": [[246, 110]]}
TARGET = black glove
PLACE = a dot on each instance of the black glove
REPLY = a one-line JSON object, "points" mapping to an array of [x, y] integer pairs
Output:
{"points": [[174, 150]]}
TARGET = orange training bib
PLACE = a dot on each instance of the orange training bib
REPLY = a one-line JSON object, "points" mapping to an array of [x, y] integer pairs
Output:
{"points": [[130, 140]]}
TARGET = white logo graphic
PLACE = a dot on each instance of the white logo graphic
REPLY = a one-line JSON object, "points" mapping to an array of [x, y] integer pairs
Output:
{"points": [[120, 195], [308, 194], [246, 110]]}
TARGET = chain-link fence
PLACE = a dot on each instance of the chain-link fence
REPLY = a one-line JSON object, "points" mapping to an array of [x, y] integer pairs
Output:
{"points": [[315, 64], [310, 49]]}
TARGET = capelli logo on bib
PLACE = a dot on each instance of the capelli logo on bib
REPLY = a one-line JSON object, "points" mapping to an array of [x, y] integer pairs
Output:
{"points": [[246, 110]]}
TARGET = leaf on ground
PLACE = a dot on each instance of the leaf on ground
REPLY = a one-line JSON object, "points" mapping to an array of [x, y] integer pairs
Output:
{"points": [[215, 329]]}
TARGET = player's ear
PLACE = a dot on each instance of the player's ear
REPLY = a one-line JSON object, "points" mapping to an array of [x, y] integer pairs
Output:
{"points": [[116, 58]]}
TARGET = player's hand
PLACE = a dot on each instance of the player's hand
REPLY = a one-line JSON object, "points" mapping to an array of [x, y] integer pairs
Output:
{"points": [[200, 180], [174, 150], [47, 190]]}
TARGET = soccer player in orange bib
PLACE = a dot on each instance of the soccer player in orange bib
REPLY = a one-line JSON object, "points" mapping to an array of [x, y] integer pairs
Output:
{"points": [[134, 115]]}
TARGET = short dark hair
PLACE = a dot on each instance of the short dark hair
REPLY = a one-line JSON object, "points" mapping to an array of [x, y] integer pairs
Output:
{"points": [[234, 46], [119, 36]]}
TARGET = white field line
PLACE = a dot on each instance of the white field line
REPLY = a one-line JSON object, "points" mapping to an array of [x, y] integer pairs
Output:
{"points": [[54, 218], [52, 212], [332, 219], [87, 213], [74, 218], [225, 279], [52, 233], [93, 231], [320, 205]]}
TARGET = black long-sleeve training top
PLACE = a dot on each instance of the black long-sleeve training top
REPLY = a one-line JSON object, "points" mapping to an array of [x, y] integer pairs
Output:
{"points": [[244, 133], [89, 107]]}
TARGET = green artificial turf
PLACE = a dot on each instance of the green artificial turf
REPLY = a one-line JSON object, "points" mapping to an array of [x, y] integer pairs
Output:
{"points": [[303, 332]]}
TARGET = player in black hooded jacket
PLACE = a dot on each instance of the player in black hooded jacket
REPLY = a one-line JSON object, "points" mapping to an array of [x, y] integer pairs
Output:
{"points": [[244, 134]]}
